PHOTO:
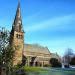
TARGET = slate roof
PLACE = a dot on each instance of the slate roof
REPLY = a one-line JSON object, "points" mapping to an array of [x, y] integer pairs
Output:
{"points": [[36, 48]]}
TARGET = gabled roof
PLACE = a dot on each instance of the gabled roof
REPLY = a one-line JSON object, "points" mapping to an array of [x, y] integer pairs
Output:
{"points": [[36, 48]]}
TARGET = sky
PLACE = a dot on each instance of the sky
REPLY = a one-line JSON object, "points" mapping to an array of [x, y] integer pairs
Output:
{"points": [[49, 23]]}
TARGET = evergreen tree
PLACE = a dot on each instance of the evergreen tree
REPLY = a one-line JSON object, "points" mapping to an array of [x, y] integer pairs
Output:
{"points": [[6, 51]]}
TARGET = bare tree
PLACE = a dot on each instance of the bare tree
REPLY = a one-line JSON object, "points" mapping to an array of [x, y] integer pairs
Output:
{"points": [[67, 56]]}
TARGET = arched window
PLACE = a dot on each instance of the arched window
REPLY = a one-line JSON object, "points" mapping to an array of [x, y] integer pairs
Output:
{"points": [[19, 36]]}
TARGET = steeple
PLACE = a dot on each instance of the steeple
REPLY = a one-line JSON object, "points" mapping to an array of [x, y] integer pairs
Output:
{"points": [[17, 37], [17, 24]]}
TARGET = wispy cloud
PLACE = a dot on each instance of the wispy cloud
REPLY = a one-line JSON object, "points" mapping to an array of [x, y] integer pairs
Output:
{"points": [[31, 17], [51, 23]]}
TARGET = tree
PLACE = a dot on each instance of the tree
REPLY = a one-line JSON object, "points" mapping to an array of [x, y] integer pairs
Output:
{"points": [[72, 62], [54, 62], [6, 51], [3, 45], [67, 56]]}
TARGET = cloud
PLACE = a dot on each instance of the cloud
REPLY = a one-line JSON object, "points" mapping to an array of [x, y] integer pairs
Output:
{"points": [[51, 23], [31, 18]]}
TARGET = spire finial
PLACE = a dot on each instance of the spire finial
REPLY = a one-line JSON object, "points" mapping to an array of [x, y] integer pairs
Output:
{"points": [[18, 3]]}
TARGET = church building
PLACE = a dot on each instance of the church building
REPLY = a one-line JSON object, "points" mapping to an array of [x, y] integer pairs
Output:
{"points": [[31, 52]]}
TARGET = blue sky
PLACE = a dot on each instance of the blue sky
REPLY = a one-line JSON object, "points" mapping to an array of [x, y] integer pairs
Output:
{"points": [[49, 23]]}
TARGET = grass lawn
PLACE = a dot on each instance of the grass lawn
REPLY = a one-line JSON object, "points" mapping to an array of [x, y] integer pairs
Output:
{"points": [[34, 69], [43, 71], [46, 71], [66, 71]]}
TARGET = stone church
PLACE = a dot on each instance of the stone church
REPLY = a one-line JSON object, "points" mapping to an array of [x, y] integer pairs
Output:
{"points": [[31, 52]]}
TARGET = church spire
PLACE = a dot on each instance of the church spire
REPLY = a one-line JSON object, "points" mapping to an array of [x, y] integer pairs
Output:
{"points": [[17, 37], [17, 25]]}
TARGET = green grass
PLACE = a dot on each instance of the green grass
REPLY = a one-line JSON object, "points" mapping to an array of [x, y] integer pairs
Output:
{"points": [[65, 71], [34, 69], [72, 72], [41, 70]]}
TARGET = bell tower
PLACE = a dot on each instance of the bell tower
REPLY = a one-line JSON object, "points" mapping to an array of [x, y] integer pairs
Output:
{"points": [[17, 37]]}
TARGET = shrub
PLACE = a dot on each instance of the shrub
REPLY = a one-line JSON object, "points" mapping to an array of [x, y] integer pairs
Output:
{"points": [[54, 62]]}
